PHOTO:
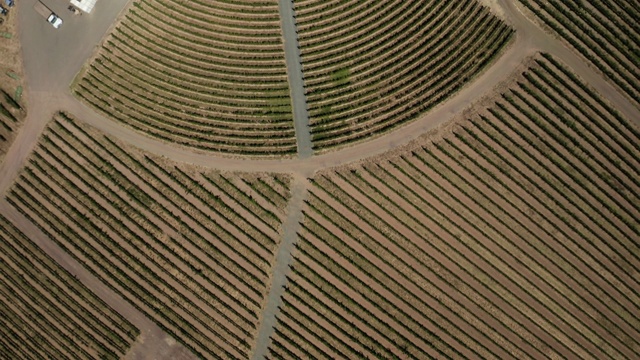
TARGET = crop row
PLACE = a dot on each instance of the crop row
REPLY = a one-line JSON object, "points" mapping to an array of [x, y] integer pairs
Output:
{"points": [[7, 124], [191, 250], [47, 311], [371, 67], [511, 236], [11, 114], [605, 32], [217, 86], [249, 31]]}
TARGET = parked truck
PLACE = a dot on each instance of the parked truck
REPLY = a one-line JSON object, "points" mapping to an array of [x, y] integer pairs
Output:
{"points": [[49, 15]]}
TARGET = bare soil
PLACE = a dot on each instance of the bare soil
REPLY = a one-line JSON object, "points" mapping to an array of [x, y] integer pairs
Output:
{"points": [[526, 285], [11, 77]]}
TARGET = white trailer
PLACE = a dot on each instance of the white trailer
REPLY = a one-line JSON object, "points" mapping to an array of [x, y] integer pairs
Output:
{"points": [[84, 5], [49, 15]]}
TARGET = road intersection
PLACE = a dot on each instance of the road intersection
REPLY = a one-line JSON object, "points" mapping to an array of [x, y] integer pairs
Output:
{"points": [[52, 58]]}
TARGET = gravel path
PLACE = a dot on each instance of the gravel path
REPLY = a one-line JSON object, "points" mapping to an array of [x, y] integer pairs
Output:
{"points": [[281, 267], [296, 83], [151, 342], [529, 39], [53, 57]]}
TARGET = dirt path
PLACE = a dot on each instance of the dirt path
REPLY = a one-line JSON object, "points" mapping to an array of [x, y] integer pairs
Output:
{"points": [[281, 267], [69, 49], [151, 338], [546, 42], [529, 38], [44, 103]]}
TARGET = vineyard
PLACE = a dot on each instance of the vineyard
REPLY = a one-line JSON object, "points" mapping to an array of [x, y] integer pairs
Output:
{"points": [[192, 250], [11, 116], [513, 235], [47, 313], [321, 179], [11, 84], [371, 66], [204, 74], [605, 32]]}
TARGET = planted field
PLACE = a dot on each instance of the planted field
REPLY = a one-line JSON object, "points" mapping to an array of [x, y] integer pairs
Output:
{"points": [[190, 249], [11, 116], [11, 83], [205, 74], [605, 32], [8, 126], [371, 66], [47, 313], [513, 235]]}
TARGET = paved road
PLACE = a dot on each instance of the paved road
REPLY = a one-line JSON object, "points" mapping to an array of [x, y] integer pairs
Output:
{"points": [[296, 83]]}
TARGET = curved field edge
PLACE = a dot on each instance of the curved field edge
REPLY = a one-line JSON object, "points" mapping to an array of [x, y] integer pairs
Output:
{"points": [[511, 234], [210, 76], [370, 67], [48, 313], [190, 249]]}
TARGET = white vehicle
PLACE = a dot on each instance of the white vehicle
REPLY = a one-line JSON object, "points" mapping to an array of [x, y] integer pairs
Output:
{"points": [[49, 15]]}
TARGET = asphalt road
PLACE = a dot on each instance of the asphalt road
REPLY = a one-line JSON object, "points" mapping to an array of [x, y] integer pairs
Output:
{"points": [[50, 68]]}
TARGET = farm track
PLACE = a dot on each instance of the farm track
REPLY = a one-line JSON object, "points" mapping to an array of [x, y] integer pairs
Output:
{"points": [[529, 38], [280, 269], [245, 106], [159, 235], [149, 332], [502, 238], [601, 32], [296, 83]]}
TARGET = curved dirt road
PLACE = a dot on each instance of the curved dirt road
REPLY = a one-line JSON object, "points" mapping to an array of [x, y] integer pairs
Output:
{"points": [[44, 102], [52, 58]]}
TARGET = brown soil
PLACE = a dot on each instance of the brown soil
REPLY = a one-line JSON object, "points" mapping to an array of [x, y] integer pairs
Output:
{"points": [[10, 64], [513, 273], [10, 56]]}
